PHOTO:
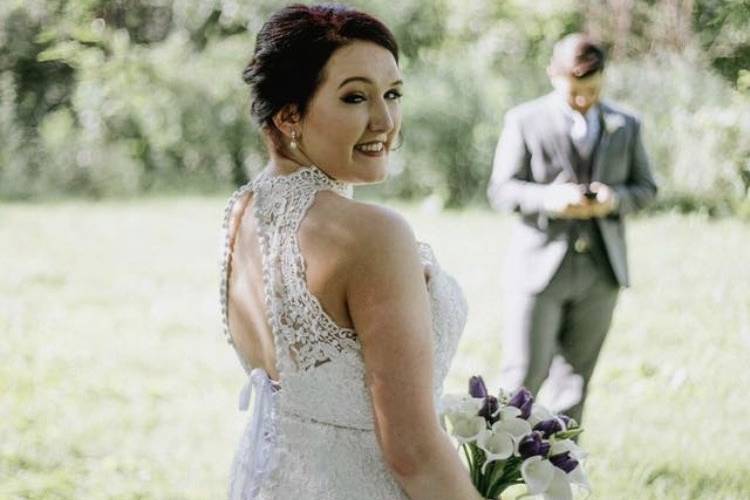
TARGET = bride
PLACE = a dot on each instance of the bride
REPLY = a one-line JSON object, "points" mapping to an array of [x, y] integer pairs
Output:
{"points": [[345, 324]]}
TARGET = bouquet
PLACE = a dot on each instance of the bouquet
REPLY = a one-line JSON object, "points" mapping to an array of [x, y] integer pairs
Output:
{"points": [[511, 440]]}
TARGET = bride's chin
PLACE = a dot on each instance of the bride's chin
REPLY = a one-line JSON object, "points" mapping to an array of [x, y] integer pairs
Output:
{"points": [[370, 175]]}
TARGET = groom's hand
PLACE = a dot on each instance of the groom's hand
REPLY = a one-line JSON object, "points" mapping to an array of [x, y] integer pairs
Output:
{"points": [[567, 201], [605, 202]]}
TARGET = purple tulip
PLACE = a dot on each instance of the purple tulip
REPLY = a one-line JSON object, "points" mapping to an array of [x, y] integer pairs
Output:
{"points": [[477, 389], [522, 399], [549, 427], [532, 445], [564, 461], [490, 407]]}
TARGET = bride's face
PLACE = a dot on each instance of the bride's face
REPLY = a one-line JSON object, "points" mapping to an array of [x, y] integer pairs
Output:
{"points": [[354, 117]]}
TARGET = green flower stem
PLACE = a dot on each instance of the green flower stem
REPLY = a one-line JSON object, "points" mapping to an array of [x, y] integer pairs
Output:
{"points": [[477, 466], [468, 457], [476, 462], [486, 478], [510, 476], [496, 472]]}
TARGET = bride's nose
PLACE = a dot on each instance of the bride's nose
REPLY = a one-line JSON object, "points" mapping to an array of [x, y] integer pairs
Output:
{"points": [[380, 117]]}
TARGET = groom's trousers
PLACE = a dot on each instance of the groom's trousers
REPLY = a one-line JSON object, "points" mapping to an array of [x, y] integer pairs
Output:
{"points": [[566, 322]]}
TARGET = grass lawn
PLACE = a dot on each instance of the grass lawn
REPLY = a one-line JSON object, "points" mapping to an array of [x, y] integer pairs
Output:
{"points": [[115, 381]]}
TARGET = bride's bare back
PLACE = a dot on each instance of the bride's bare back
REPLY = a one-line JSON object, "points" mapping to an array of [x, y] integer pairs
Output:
{"points": [[323, 239], [247, 317]]}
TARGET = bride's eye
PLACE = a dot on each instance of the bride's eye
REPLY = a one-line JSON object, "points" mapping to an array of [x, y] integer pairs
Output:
{"points": [[393, 95], [354, 98]]}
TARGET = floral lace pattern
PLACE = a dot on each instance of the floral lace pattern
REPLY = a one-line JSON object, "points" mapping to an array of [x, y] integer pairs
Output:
{"points": [[317, 431]]}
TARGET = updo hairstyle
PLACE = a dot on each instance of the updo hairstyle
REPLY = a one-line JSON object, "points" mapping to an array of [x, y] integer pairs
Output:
{"points": [[291, 50]]}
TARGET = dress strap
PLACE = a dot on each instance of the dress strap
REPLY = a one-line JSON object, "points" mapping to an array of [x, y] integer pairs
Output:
{"points": [[304, 335]]}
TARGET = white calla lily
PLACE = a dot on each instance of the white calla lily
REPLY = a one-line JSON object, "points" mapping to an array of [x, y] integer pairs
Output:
{"points": [[466, 429], [569, 445], [511, 424], [506, 412], [455, 403], [578, 477], [538, 414], [537, 474], [543, 478], [515, 427], [559, 486], [496, 446]]}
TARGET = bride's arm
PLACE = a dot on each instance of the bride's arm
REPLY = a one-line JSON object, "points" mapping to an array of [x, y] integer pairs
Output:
{"points": [[389, 305]]}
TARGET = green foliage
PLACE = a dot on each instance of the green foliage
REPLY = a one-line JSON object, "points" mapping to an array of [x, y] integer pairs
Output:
{"points": [[447, 147], [723, 27], [116, 98], [697, 128]]}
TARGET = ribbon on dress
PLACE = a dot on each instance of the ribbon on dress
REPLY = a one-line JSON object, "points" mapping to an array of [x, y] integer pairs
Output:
{"points": [[252, 461]]}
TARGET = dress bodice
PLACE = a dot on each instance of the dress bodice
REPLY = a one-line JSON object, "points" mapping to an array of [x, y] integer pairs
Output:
{"points": [[320, 364]]}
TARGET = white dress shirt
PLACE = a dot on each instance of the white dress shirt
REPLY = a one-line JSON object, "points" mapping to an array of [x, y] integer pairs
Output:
{"points": [[584, 129]]}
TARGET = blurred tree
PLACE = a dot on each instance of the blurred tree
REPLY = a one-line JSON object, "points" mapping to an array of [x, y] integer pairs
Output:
{"points": [[723, 27], [720, 29], [112, 97], [39, 87]]}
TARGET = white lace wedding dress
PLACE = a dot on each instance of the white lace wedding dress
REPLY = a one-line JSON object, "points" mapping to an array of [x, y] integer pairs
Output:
{"points": [[311, 433]]}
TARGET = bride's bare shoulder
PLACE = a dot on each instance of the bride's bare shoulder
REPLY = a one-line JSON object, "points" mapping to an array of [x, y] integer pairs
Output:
{"points": [[357, 236], [359, 228]]}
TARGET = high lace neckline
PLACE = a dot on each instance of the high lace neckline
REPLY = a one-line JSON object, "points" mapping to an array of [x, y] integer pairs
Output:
{"points": [[282, 202], [313, 173]]}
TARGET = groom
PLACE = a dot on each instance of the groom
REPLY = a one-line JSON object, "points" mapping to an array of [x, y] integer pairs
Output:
{"points": [[572, 167]]}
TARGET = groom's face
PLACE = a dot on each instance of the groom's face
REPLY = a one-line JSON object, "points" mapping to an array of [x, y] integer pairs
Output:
{"points": [[579, 93]]}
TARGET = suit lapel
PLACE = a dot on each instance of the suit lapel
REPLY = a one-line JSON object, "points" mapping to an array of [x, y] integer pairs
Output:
{"points": [[601, 150]]}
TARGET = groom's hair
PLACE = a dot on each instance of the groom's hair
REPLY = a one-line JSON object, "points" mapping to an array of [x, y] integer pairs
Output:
{"points": [[293, 47], [577, 55]]}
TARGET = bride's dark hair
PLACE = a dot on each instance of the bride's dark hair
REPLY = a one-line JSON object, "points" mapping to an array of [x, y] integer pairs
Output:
{"points": [[292, 48]]}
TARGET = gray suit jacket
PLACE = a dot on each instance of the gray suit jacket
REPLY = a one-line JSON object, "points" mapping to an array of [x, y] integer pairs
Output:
{"points": [[534, 151]]}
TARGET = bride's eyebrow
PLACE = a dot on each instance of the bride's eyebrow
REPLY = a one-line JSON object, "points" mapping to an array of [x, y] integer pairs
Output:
{"points": [[366, 80]]}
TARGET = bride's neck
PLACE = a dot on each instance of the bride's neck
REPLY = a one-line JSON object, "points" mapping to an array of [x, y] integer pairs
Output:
{"points": [[282, 165], [283, 162]]}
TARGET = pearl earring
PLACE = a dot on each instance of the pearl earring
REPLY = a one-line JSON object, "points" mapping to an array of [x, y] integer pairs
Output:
{"points": [[293, 143]]}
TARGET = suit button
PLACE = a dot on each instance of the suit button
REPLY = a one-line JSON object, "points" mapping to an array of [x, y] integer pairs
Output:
{"points": [[581, 245]]}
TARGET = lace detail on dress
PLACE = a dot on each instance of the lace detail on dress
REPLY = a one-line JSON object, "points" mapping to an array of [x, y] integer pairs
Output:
{"points": [[305, 335], [318, 429], [278, 194]]}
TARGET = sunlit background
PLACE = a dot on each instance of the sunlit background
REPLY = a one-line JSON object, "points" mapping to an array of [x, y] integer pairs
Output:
{"points": [[124, 126]]}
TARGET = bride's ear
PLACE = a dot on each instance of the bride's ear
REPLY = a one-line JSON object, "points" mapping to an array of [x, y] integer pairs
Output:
{"points": [[287, 120]]}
